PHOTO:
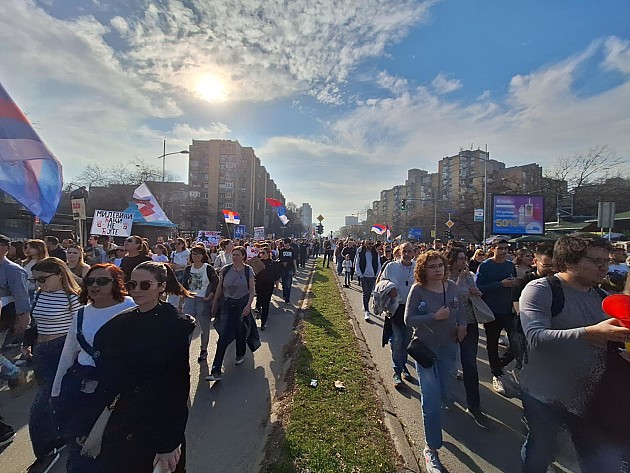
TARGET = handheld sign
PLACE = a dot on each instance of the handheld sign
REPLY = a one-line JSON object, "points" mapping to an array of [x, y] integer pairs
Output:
{"points": [[618, 306]]}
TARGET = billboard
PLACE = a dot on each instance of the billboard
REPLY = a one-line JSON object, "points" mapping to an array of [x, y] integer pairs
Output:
{"points": [[518, 214], [414, 233]]}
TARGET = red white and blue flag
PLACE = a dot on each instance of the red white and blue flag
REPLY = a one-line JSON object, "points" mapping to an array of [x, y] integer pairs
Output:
{"points": [[378, 228], [231, 216], [28, 170]]}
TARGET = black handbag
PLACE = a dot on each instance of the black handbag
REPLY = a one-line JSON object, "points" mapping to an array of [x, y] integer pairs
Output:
{"points": [[421, 353]]}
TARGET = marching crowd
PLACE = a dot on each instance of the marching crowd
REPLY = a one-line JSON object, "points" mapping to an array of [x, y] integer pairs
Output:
{"points": [[570, 367], [107, 330], [104, 326]]}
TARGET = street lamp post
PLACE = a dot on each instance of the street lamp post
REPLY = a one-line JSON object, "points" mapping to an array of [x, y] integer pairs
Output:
{"points": [[163, 158]]}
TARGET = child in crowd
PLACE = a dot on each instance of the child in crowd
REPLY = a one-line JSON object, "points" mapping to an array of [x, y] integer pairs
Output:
{"points": [[347, 270]]}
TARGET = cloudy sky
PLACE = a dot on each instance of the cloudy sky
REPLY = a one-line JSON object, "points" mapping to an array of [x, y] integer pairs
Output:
{"points": [[337, 97]]}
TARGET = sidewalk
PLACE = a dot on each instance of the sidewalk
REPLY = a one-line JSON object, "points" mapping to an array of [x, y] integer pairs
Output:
{"points": [[229, 421], [466, 446]]}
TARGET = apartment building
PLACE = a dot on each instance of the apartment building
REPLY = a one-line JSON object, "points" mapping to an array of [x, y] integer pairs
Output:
{"points": [[222, 174]]}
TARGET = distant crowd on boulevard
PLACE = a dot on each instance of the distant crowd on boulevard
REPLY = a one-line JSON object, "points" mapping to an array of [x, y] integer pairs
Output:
{"points": [[107, 330]]}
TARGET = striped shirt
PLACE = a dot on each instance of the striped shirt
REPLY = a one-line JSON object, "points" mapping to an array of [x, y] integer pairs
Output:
{"points": [[53, 312]]}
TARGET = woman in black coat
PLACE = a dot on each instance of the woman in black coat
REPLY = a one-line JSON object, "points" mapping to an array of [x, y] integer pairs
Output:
{"points": [[265, 282], [143, 359]]}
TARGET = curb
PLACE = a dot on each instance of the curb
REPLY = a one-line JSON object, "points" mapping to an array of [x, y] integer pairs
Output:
{"points": [[391, 421]]}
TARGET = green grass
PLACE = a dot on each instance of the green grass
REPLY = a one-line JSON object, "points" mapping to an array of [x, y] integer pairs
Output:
{"points": [[327, 430]]}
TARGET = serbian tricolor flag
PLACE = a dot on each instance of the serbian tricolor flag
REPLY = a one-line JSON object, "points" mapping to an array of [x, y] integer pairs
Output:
{"points": [[378, 228], [28, 170], [231, 216], [282, 214], [274, 202]]}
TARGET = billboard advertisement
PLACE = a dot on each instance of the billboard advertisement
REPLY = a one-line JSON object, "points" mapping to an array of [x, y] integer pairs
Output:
{"points": [[518, 214], [414, 233]]}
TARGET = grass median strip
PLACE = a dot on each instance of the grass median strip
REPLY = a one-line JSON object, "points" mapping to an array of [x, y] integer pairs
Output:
{"points": [[329, 429]]}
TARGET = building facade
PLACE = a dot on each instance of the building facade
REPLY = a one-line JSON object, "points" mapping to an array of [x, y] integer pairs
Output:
{"points": [[222, 174], [307, 217]]}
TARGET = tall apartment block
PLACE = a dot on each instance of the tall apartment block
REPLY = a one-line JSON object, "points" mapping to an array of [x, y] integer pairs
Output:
{"points": [[307, 217], [222, 174]]}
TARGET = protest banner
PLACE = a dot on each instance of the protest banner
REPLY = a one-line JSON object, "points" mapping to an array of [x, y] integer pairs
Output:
{"points": [[112, 222]]}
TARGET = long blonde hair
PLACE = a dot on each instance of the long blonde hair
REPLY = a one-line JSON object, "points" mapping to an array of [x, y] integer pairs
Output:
{"points": [[54, 265]]}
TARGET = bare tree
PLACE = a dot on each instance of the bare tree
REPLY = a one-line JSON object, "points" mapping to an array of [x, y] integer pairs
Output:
{"points": [[579, 169], [93, 174]]}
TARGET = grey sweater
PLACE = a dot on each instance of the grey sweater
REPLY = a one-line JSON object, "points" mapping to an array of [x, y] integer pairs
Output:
{"points": [[422, 305], [563, 366]]}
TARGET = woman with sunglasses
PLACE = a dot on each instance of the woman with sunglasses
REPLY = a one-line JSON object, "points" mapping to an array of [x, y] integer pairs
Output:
{"points": [[143, 362], [434, 313], [35, 250], [56, 303], [137, 252], [201, 280], [236, 287], [76, 265], [458, 273], [73, 392]]}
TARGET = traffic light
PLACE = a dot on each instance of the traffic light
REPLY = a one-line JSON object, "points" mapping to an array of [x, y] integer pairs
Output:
{"points": [[449, 234], [320, 229], [403, 204]]}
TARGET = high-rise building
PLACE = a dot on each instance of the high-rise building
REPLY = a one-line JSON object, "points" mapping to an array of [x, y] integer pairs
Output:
{"points": [[222, 174], [307, 217], [352, 220]]}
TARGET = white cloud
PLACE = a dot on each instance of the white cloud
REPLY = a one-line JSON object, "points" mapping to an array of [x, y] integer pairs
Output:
{"points": [[443, 85], [617, 55], [397, 85]]}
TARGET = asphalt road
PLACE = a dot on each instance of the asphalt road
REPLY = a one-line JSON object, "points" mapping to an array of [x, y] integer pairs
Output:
{"points": [[229, 420], [467, 448]]}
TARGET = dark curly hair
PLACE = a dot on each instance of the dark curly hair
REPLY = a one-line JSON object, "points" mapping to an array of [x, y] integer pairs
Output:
{"points": [[570, 249], [118, 284], [420, 273]]}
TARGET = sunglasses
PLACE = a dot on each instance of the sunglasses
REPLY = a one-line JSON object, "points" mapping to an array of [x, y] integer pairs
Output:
{"points": [[102, 281], [144, 285], [41, 279]]}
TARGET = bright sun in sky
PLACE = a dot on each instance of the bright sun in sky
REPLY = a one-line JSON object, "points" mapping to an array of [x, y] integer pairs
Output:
{"points": [[211, 89]]}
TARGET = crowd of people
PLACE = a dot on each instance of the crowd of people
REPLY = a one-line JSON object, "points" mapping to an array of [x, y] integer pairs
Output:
{"points": [[570, 368], [104, 325]]}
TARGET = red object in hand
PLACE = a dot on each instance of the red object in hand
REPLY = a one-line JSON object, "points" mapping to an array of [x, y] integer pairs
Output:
{"points": [[618, 306]]}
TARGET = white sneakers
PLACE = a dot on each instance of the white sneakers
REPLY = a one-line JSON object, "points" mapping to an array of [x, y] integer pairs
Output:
{"points": [[367, 315], [497, 385]]}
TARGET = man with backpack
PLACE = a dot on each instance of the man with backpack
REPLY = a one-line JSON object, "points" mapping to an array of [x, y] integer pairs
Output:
{"points": [[567, 332]]}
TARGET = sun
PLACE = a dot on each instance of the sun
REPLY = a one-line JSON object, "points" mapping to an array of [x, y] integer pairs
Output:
{"points": [[211, 89]]}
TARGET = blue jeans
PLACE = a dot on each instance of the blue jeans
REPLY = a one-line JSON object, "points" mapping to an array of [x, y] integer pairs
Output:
{"points": [[367, 285], [468, 351], [287, 281], [339, 265], [401, 336], [42, 427], [200, 309], [232, 327], [594, 453], [435, 384]]}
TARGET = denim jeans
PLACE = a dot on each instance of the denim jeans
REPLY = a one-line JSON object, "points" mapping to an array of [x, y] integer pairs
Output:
{"points": [[401, 336], [232, 318], [339, 260], [435, 384], [468, 353], [287, 282], [200, 309], [595, 454], [347, 278], [367, 285], [42, 427]]}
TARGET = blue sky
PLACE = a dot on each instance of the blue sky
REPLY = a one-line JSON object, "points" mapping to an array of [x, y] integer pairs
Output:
{"points": [[338, 98]]}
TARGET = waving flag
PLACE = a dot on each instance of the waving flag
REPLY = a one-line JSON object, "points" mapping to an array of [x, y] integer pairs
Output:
{"points": [[274, 202], [378, 228], [231, 216], [148, 205], [282, 214], [28, 170]]}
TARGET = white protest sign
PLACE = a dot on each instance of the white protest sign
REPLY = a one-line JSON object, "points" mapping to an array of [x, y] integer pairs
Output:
{"points": [[111, 222], [259, 233]]}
